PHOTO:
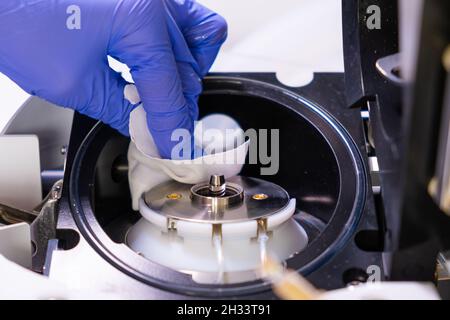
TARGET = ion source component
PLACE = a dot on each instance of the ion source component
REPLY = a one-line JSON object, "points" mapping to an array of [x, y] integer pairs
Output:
{"points": [[320, 167], [199, 204], [217, 231]]}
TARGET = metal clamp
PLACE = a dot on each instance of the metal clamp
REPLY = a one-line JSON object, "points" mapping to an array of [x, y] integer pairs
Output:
{"points": [[389, 67], [43, 228]]}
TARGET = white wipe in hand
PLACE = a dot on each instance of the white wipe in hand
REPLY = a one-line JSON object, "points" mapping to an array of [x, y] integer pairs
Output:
{"points": [[226, 154]]}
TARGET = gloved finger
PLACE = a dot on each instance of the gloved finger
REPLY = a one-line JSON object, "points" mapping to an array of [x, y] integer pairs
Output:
{"points": [[204, 30], [110, 107], [140, 39], [187, 65], [192, 87]]}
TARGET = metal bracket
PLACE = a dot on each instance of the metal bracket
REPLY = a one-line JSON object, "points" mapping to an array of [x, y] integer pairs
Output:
{"points": [[10, 215], [43, 227], [389, 67], [42, 220]]}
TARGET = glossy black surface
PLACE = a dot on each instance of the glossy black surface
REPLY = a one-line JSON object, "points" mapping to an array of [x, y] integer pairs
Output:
{"points": [[368, 90], [308, 168], [404, 122]]}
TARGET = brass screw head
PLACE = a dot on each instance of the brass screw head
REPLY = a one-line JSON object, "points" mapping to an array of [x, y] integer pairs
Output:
{"points": [[260, 196], [173, 196]]}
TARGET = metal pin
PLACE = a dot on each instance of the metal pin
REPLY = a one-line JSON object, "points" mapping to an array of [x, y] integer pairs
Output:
{"points": [[217, 185], [171, 225], [217, 242], [262, 239]]}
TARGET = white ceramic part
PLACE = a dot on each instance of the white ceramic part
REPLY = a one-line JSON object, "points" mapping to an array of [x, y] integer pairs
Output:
{"points": [[15, 243], [280, 217], [241, 230], [195, 230], [20, 171], [147, 169], [229, 230], [198, 255], [151, 216]]}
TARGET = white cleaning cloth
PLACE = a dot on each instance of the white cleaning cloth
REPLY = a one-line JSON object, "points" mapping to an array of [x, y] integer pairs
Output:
{"points": [[147, 169]]}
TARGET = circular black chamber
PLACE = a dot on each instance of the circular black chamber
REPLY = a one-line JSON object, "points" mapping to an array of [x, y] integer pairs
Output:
{"points": [[319, 165]]}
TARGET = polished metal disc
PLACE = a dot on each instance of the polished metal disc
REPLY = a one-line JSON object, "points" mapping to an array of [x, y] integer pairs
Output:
{"points": [[251, 199]]}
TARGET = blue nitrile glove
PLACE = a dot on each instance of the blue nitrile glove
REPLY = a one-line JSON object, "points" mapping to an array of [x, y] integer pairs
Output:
{"points": [[57, 50]]}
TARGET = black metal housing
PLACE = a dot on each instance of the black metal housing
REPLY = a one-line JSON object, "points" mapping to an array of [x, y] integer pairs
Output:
{"points": [[404, 126]]}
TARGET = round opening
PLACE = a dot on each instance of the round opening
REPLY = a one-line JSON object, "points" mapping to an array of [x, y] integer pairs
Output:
{"points": [[231, 194], [318, 164]]}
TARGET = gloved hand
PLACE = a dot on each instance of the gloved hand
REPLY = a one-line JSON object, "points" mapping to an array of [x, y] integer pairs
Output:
{"points": [[58, 50]]}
